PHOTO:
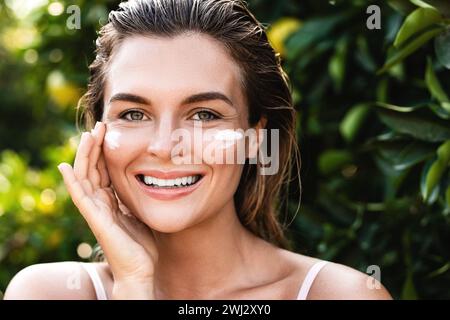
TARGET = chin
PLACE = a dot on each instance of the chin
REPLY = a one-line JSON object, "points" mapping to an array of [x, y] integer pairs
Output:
{"points": [[167, 221]]}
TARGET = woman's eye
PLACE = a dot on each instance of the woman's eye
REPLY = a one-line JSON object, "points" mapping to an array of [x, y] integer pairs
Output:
{"points": [[133, 115], [205, 116]]}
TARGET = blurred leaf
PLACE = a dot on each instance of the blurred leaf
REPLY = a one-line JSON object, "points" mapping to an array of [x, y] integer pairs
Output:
{"points": [[433, 177], [333, 160], [442, 48], [447, 197], [400, 108], [429, 187], [417, 21], [353, 121], [280, 31], [418, 39], [337, 65], [403, 6], [415, 125], [422, 4], [433, 84], [443, 152], [404, 154], [443, 6], [311, 32], [440, 271], [409, 290], [440, 111]]}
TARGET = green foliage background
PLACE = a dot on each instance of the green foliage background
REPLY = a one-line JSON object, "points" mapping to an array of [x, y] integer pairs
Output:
{"points": [[373, 129]]}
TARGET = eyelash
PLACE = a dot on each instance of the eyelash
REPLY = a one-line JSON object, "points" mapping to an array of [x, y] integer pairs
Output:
{"points": [[123, 115]]}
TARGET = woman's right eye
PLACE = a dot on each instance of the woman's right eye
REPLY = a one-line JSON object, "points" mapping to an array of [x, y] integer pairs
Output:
{"points": [[132, 115]]}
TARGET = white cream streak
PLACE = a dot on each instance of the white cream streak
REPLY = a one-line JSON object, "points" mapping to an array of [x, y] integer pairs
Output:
{"points": [[112, 139], [228, 137]]}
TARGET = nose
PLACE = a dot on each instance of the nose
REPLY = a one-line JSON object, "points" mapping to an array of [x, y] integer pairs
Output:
{"points": [[161, 143]]}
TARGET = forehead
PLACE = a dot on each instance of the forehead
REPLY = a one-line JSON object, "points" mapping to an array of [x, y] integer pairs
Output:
{"points": [[173, 67]]}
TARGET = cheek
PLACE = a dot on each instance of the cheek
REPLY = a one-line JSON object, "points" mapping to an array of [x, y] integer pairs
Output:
{"points": [[119, 144], [113, 139], [224, 147]]}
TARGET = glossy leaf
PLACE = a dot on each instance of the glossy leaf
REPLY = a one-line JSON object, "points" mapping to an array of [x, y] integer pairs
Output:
{"points": [[417, 21], [442, 48], [415, 125], [434, 85], [408, 48], [404, 154]]}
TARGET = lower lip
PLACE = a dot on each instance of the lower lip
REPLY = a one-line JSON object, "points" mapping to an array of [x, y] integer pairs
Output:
{"points": [[168, 193]]}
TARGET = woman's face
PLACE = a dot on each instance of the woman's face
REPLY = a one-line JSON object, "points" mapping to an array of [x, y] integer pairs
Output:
{"points": [[158, 85]]}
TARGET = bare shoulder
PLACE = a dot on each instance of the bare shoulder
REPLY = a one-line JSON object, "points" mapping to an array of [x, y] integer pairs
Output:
{"points": [[338, 282], [54, 281]]}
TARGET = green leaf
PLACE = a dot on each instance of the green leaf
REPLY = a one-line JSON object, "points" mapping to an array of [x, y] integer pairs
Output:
{"points": [[333, 160], [417, 21], [440, 111], [353, 121], [447, 197], [422, 4], [403, 154], [419, 39], [399, 108], [337, 63], [433, 84], [409, 290], [417, 125], [311, 33], [443, 152], [433, 177], [403, 6], [443, 6], [429, 193], [442, 48]]}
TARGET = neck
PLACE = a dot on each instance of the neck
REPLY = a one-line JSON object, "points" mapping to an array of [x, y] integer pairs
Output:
{"points": [[206, 259]]}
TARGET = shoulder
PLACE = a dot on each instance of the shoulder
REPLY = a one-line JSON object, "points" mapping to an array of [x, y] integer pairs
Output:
{"points": [[54, 281], [338, 282]]}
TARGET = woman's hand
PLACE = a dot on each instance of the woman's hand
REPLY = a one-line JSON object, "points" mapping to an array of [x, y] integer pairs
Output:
{"points": [[128, 244]]}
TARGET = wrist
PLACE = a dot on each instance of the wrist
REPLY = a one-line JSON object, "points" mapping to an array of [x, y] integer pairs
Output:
{"points": [[133, 290]]}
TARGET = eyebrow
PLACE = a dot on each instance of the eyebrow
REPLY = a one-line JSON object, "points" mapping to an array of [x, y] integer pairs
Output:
{"points": [[199, 97]]}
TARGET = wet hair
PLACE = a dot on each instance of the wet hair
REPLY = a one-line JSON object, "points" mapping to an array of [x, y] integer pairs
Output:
{"points": [[258, 199]]}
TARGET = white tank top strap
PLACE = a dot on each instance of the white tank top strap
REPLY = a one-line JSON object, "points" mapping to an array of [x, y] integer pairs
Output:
{"points": [[309, 279], [96, 281]]}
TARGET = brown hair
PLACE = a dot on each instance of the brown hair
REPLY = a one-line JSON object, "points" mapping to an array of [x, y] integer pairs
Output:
{"points": [[265, 85]]}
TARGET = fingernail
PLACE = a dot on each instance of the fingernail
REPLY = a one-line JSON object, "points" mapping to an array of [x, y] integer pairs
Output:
{"points": [[97, 125]]}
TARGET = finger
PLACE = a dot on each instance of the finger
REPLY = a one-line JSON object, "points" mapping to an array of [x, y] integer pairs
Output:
{"points": [[118, 246], [105, 180], [75, 189], [98, 223], [93, 172], [81, 163]]}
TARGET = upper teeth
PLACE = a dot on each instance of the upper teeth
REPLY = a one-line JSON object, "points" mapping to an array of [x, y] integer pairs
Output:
{"points": [[171, 182]]}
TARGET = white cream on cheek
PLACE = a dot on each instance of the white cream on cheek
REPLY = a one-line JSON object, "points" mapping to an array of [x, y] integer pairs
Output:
{"points": [[227, 138], [112, 139]]}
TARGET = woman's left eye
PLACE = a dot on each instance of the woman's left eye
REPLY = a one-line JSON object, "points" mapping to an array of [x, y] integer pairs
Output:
{"points": [[133, 115], [205, 116]]}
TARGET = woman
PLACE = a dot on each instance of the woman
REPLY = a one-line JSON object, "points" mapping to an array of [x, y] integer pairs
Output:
{"points": [[186, 229]]}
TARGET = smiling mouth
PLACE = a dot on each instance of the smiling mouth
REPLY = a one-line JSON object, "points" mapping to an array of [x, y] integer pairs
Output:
{"points": [[177, 183]]}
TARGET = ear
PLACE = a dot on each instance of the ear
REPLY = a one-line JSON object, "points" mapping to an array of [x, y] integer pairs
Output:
{"points": [[255, 141]]}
